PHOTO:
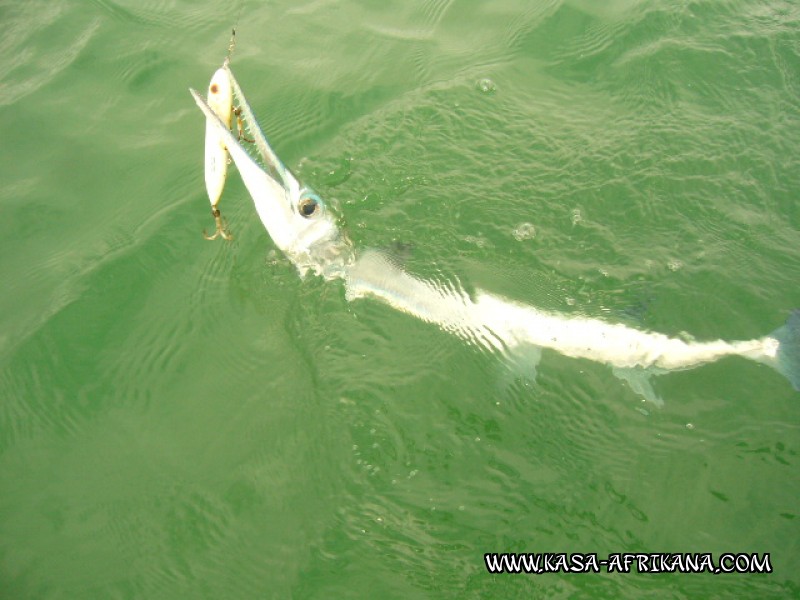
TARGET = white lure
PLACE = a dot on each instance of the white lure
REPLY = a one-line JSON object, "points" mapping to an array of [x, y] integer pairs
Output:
{"points": [[220, 100]]}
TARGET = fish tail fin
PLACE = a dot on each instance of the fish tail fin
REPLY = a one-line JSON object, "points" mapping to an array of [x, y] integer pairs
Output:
{"points": [[787, 357]]}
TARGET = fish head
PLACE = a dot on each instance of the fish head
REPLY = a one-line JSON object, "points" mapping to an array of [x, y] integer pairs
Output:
{"points": [[299, 222], [303, 226]]}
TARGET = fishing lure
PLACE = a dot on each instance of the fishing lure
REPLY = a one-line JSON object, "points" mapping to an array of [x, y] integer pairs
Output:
{"points": [[220, 100]]}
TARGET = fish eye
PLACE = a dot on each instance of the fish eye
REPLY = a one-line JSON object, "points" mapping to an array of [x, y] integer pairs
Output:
{"points": [[309, 207]]}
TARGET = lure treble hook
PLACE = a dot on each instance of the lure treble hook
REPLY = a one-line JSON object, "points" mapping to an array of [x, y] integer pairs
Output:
{"points": [[221, 227]]}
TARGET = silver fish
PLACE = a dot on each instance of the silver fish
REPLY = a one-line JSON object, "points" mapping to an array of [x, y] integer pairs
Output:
{"points": [[306, 231]]}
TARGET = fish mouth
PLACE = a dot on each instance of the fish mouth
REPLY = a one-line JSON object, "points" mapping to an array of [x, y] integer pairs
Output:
{"points": [[296, 218], [276, 178]]}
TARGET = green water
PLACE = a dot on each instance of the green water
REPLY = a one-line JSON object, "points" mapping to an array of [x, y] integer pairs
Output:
{"points": [[188, 419]]}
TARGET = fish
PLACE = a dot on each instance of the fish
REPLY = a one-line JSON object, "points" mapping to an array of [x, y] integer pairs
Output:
{"points": [[306, 230]]}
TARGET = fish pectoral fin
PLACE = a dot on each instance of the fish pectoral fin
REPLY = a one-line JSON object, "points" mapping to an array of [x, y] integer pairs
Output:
{"points": [[640, 381], [519, 367], [526, 359]]}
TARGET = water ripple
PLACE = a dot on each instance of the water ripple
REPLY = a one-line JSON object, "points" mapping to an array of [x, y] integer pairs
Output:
{"points": [[42, 44]]}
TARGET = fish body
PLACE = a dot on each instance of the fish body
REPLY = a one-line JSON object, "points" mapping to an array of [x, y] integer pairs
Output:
{"points": [[301, 225], [505, 326]]}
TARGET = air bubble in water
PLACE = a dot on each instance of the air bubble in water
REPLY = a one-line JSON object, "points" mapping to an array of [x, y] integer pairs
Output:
{"points": [[674, 265], [486, 85], [524, 231]]}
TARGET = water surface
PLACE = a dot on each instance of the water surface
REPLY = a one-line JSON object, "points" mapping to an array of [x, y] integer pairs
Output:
{"points": [[180, 418]]}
